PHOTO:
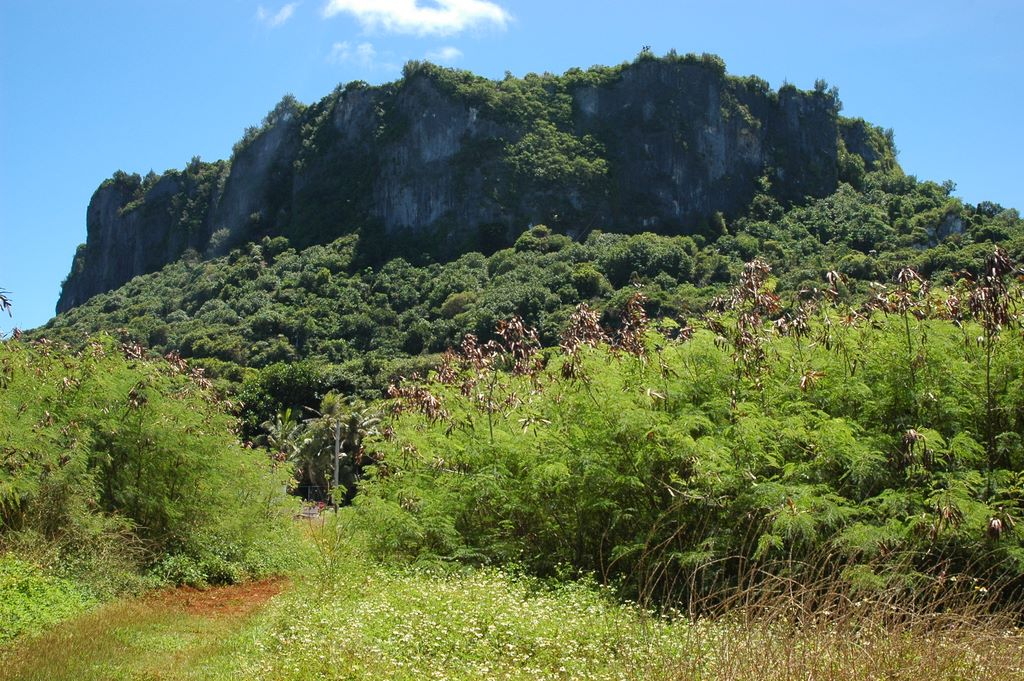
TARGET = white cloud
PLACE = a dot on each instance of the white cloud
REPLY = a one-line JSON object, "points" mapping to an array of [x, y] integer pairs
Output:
{"points": [[442, 17], [340, 52], [363, 54], [445, 55], [275, 20]]}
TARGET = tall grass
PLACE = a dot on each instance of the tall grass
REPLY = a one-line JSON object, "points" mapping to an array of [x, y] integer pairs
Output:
{"points": [[357, 619], [778, 627]]}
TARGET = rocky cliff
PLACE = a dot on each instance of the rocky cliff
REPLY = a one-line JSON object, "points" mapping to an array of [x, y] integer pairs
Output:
{"points": [[442, 162]]}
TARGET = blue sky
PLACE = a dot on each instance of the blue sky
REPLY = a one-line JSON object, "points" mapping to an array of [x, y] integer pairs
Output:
{"points": [[87, 88]]}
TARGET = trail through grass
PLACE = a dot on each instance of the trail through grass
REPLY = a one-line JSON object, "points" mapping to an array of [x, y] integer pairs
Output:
{"points": [[175, 634], [349, 617]]}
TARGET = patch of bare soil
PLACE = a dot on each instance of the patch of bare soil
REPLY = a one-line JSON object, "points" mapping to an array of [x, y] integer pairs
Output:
{"points": [[233, 600]]}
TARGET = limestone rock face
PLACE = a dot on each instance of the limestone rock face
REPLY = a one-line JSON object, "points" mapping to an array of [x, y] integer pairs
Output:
{"points": [[425, 169], [421, 181], [123, 241], [257, 175]]}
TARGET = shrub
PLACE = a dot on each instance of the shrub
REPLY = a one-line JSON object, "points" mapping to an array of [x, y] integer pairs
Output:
{"points": [[31, 600], [111, 453]]}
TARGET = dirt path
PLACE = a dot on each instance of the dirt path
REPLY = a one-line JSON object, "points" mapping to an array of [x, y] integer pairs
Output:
{"points": [[236, 600], [171, 634]]}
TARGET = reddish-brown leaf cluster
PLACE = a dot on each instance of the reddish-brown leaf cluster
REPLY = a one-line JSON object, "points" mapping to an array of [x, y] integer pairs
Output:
{"points": [[633, 326], [417, 398]]}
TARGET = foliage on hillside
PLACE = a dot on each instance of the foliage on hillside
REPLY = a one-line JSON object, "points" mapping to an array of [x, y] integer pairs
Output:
{"points": [[310, 321], [801, 427], [113, 463], [442, 162], [884, 441]]}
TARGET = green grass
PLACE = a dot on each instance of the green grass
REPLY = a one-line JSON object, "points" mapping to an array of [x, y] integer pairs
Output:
{"points": [[488, 624], [352, 618], [419, 624], [30, 601], [176, 634], [122, 641], [355, 619]]}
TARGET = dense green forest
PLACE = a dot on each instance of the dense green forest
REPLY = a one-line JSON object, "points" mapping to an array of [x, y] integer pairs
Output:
{"points": [[311, 303], [819, 470], [880, 430], [283, 327], [883, 440]]}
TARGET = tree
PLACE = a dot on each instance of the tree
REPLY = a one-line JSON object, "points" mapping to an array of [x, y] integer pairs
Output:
{"points": [[109, 450], [284, 435], [342, 424]]}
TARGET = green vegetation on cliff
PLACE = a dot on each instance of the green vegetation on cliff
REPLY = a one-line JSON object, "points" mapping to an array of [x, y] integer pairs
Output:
{"points": [[443, 162]]}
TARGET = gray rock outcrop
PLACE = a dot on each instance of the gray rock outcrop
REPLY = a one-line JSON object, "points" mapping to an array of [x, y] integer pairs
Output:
{"points": [[427, 168]]}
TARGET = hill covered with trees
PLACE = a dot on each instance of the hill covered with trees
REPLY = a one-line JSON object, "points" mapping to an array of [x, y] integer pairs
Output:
{"points": [[292, 324], [649, 332], [296, 311], [346, 241], [443, 162]]}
